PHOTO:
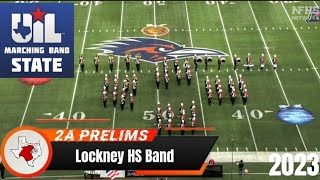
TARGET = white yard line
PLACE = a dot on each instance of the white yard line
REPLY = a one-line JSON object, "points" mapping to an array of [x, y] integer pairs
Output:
{"points": [[270, 58], [315, 3], [120, 36], [77, 77], [155, 36], [190, 34], [245, 108], [301, 42], [27, 106]]}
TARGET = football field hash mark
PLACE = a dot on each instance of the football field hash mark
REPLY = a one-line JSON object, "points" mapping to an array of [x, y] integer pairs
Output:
{"points": [[266, 148], [286, 149], [276, 148], [47, 114], [316, 149]]}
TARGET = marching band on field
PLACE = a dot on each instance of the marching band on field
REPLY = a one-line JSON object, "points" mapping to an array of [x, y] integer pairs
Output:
{"points": [[211, 89]]}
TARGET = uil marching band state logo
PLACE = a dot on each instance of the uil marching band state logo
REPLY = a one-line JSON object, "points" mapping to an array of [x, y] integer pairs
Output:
{"points": [[151, 49], [37, 40], [26, 152]]}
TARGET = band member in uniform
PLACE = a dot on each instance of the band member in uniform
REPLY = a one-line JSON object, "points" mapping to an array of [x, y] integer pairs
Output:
{"points": [[157, 76], [127, 61], [206, 82], [106, 82], [104, 98], [165, 67], [236, 60], [193, 109], [193, 124], [166, 80], [131, 101], [159, 127], [182, 125], [195, 62], [134, 87], [230, 83], [169, 126], [111, 61], [220, 96], [262, 61], [249, 61], [123, 101], [210, 94], [233, 97], [241, 81], [159, 111], [186, 64], [137, 61], [96, 62], [116, 81], [114, 99], [178, 74], [189, 76], [216, 81], [275, 62], [176, 64], [219, 63], [181, 109], [81, 62], [206, 61], [243, 87], [245, 97]]}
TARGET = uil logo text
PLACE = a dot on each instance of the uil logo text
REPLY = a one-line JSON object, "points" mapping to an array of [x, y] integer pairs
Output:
{"points": [[40, 28], [38, 40]]}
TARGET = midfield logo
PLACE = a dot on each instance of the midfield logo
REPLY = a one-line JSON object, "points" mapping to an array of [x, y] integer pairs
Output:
{"points": [[151, 49], [37, 40], [314, 14]]}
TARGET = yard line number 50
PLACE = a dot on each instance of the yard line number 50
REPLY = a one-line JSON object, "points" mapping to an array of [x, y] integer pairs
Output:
{"points": [[287, 161]]}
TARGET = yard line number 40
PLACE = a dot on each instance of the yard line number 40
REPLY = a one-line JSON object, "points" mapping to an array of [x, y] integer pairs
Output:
{"points": [[255, 113]]}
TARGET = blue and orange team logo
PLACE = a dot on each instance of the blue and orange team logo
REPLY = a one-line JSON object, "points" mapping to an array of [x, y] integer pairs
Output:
{"points": [[37, 40], [152, 49]]}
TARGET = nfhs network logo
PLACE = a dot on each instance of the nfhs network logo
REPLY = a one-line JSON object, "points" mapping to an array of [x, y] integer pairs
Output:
{"points": [[37, 40]]}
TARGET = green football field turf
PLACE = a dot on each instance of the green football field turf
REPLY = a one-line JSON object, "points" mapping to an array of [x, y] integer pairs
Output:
{"points": [[232, 27]]}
